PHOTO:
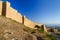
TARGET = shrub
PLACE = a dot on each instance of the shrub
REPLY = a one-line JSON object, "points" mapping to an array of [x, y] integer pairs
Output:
{"points": [[39, 29], [50, 37], [36, 26]]}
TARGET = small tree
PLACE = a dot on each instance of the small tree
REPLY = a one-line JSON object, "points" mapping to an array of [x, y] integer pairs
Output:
{"points": [[39, 28]]}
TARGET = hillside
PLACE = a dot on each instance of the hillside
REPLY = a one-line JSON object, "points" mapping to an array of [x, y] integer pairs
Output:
{"points": [[12, 30]]}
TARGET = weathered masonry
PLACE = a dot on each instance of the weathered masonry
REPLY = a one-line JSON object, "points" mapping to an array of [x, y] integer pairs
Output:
{"points": [[7, 11]]}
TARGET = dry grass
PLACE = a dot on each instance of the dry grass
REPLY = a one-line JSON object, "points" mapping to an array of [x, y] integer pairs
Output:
{"points": [[12, 30]]}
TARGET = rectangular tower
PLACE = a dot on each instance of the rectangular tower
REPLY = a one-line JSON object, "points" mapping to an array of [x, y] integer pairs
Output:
{"points": [[4, 9]]}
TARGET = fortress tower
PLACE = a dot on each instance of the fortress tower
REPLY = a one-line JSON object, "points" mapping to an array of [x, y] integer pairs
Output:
{"points": [[3, 8]]}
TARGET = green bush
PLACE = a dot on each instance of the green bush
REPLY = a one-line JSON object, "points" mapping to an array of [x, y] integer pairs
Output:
{"points": [[58, 34], [51, 37], [40, 29], [36, 26]]}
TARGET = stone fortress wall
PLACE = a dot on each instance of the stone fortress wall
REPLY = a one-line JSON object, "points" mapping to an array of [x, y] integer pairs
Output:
{"points": [[12, 13], [7, 11], [29, 22]]}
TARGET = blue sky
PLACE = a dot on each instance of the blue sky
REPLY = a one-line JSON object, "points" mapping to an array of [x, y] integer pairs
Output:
{"points": [[41, 11]]}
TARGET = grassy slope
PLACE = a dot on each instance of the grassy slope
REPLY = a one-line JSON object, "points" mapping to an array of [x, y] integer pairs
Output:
{"points": [[12, 30]]}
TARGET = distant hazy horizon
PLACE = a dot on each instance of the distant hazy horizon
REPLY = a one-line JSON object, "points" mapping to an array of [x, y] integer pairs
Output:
{"points": [[41, 11]]}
